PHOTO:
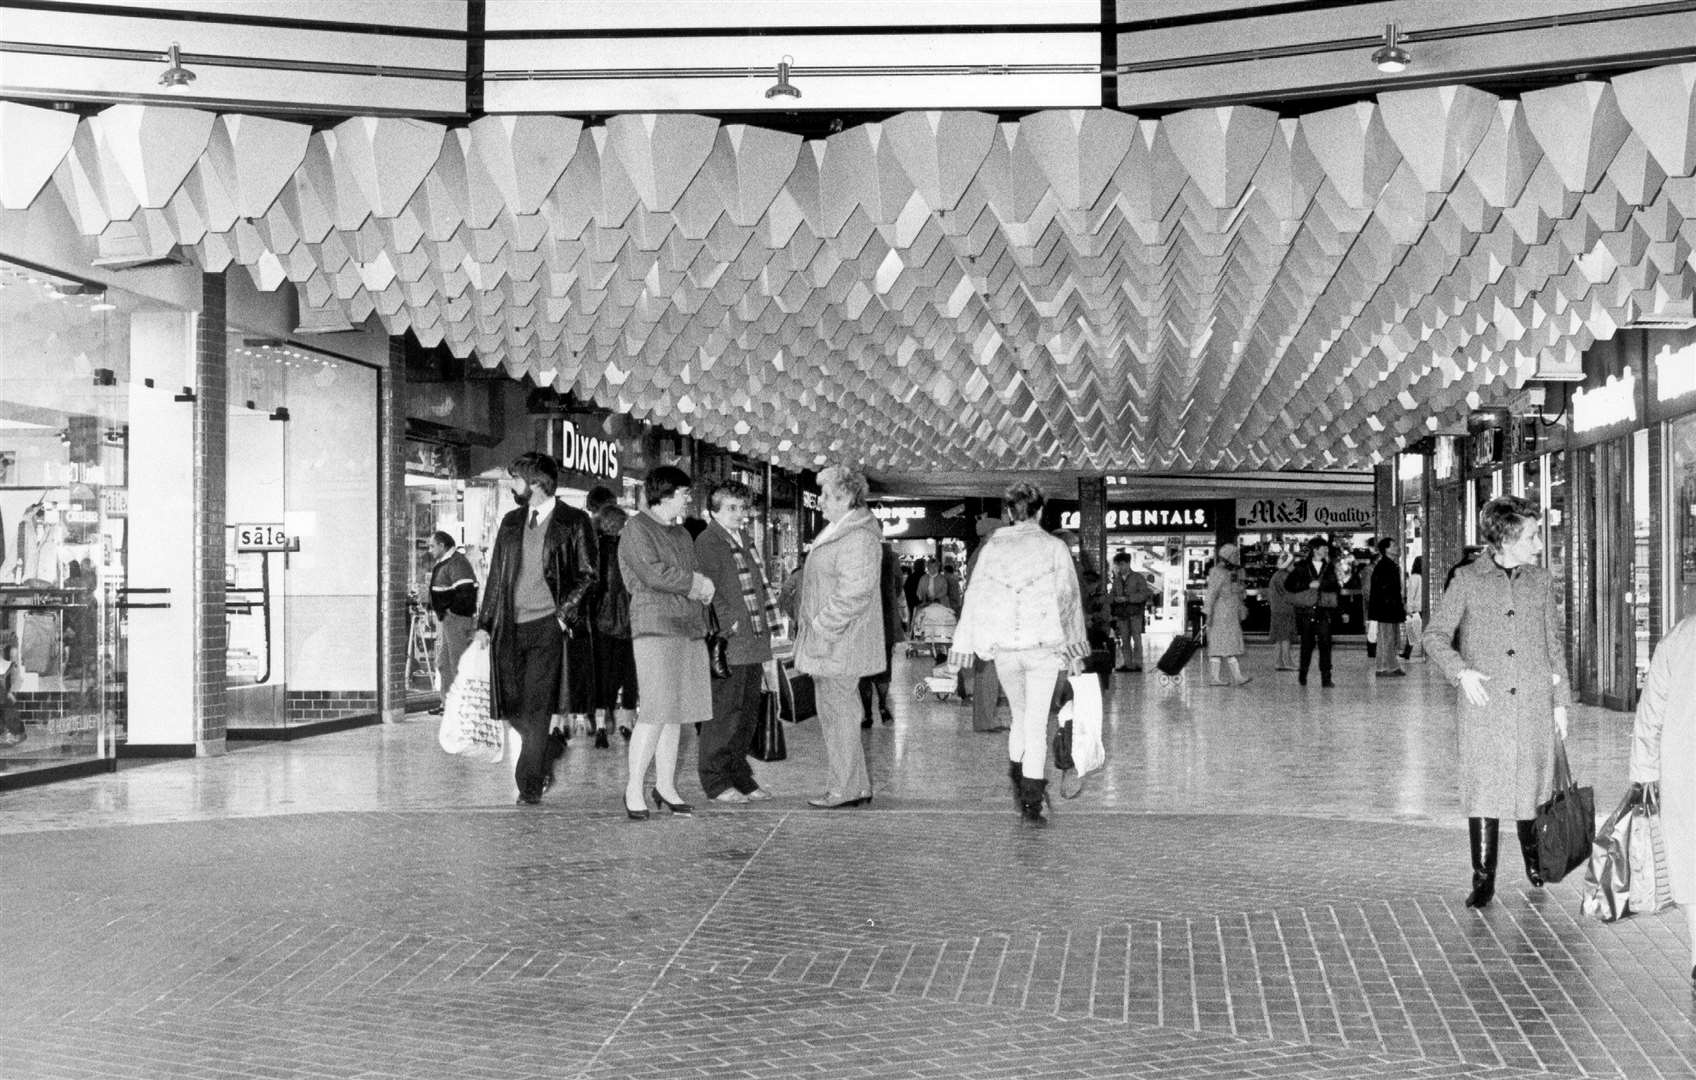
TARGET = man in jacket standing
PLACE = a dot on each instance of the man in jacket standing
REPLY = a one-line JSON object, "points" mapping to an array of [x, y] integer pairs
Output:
{"points": [[543, 567], [746, 615], [1315, 593], [1386, 606], [453, 598]]}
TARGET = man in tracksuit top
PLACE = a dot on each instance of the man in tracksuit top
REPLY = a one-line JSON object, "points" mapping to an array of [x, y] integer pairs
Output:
{"points": [[453, 597]]}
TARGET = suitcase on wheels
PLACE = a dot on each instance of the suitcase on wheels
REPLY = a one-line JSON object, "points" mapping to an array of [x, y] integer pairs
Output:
{"points": [[1178, 654]]}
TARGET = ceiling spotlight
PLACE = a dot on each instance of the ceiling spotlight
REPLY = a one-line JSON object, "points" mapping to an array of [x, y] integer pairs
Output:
{"points": [[281, 413], [175, 77], [1390, 57], [783, 87]]}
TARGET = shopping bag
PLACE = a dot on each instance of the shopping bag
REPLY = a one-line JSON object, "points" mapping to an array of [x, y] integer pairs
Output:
{"points": [[795, 694], [1566, 824], [768, 743], [1178, 654], [1627, 874], [469, 726]]}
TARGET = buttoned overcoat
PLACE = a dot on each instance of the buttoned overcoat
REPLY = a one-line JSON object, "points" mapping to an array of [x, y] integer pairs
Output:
{"points": [[840, 629], [1663, 748], [1509, 630]]}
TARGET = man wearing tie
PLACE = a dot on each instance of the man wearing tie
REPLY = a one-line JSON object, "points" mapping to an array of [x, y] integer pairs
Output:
{"points": [[543, 567]]}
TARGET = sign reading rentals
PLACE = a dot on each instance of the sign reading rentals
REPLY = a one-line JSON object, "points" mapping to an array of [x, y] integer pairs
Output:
{"points": [[1350, 515]]}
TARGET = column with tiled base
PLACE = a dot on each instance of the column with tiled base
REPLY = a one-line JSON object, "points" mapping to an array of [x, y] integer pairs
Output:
{"points": [[394, 536], [211, 459]]}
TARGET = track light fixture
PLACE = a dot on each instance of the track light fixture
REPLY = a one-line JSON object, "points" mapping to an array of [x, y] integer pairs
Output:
{"points": [[280, 413], [783, 88], [175, 77], [1390, 57]]}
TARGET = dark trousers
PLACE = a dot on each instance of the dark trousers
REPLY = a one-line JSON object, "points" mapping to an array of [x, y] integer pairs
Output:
{"points": [[723, 750], [1315, 627], [529, 672], [986, 696]]}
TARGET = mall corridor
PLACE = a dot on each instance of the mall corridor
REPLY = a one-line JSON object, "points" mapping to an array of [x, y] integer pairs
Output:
{"points": [[1263, 882]]}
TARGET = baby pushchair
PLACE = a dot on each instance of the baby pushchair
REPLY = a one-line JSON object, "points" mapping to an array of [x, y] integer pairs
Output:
{"points": [[932, 631]]}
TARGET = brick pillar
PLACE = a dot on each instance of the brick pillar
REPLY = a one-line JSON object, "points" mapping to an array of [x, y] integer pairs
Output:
{"points": [[1657, 535], [393, 536], [1092, 523], [1389, 518], [211, 456]]}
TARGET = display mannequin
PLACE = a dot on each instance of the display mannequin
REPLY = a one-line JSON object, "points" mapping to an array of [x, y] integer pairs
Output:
{"points": [[38, 549]]}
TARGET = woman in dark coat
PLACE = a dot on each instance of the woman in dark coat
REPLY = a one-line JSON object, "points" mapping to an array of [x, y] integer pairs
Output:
{"points": [[1510, 665]]}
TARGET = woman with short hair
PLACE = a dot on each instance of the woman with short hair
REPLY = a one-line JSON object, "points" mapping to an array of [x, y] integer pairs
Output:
{"points": [[839, 628], [1023, 609], [668, 630], [1510, 665]]}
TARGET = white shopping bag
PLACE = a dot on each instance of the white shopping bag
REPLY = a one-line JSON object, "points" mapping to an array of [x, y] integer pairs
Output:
{"points": [[1087, 750], [469, 726]]}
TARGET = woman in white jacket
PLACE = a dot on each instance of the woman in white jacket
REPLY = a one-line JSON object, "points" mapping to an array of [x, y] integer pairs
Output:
{"points": [[1024, 611]]}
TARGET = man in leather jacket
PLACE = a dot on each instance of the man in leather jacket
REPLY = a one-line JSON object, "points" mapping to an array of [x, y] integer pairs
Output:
{"points": [[1315, 593], [542, 574]]}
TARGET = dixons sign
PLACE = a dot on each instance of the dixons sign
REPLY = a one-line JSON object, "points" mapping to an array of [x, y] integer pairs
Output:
{"points": [[585, 453]]}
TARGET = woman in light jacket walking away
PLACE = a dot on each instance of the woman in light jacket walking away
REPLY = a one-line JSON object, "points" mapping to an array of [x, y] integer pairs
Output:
{"points": [[1511, 672], [1023, 609], [668, 630], [1226, 607], [1663, 751], [839, 629]]}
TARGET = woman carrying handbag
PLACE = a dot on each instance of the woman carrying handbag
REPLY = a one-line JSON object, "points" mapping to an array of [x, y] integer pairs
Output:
{"points": [[1663, 750], [1509, 663]]}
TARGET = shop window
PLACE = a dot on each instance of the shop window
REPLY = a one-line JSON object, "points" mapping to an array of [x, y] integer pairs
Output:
{"points": [[302, 541], [64, 469], [1681, 482]]}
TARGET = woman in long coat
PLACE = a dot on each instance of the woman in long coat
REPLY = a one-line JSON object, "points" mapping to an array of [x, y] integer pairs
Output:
{"points": [[1663, 751], [1225, 608], [1282, 631], [839, 632], [1514, 693]]}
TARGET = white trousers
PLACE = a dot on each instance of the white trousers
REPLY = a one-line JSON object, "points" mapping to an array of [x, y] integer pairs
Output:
{"points": [[1028, 676]]}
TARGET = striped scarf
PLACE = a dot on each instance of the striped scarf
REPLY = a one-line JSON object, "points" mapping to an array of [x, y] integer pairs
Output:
{"points": [[753, 578]]}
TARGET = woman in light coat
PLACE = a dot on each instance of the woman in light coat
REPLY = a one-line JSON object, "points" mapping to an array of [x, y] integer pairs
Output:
{"points": [[1511, 671], [1025, 612], [839, 629], [1663, 751], [1226, 607], [1282, 631]]}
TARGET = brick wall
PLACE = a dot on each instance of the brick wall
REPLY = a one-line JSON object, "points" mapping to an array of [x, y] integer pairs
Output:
{"points": [[211, 451], [312, 706], [394, 536], [1092, 523]]}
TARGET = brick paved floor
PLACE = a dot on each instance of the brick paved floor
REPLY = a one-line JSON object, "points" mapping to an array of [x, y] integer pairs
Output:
{"points": [[1263, 884]]}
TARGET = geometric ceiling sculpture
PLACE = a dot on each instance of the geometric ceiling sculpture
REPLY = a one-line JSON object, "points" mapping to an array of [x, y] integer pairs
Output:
{"points": [[1212, 290]]}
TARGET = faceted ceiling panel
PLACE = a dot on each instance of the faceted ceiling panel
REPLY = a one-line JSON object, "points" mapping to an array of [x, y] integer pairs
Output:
{"points": [[1218, 289]]}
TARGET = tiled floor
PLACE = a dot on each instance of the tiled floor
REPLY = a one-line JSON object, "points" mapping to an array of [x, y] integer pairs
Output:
{"points": [[1265, 882]]}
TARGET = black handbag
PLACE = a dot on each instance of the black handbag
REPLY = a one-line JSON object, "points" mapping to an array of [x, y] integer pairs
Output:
{"points": [[718, 649], [768, 743], [795, 700], [1566, 824]]}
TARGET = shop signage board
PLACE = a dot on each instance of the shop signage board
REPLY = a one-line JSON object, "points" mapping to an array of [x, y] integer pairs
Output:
{"points": [[587, 453], [264, 536], [1672, 366], [1302, 512], [1611, 404], [1187, 516]]}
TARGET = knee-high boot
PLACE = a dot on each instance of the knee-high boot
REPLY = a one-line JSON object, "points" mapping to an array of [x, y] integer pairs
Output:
{"points": [[1482, 834], [1015, 773], [1528, 851], [1032, 794]]}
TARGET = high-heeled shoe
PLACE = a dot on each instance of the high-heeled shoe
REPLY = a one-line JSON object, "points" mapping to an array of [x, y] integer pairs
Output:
{"points": [[681, 809], [637, 815], [600, 738]]}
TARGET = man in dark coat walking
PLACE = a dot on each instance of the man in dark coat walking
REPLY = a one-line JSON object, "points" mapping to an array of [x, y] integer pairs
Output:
{"points": [[543, 568]]}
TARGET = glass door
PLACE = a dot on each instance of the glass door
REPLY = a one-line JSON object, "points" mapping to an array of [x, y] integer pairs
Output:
{"points": [[1604, 563]]}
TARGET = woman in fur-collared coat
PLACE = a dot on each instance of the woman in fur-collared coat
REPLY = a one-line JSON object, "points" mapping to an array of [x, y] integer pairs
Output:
{"points": [[1663, 751], [1510, 667]]}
